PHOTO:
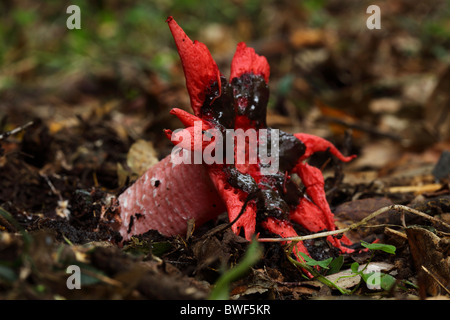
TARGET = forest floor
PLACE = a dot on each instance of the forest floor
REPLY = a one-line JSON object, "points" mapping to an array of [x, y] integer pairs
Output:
{"points": [[380, 94]]}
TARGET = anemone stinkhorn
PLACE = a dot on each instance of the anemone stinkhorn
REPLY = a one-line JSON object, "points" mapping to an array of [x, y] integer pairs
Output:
{"points": [[170, 193]]}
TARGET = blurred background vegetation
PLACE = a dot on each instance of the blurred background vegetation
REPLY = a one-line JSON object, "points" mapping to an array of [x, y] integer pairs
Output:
{"points": [[124, 49], [36, 42]]}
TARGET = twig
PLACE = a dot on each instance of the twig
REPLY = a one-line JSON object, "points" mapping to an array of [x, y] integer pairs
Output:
{"points": [[102, 278], [15, 130], [396, 207], [362, 127], [435, 279]]}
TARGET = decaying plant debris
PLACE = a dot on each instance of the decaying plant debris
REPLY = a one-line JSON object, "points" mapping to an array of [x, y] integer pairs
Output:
{"points": [[69, 148]]}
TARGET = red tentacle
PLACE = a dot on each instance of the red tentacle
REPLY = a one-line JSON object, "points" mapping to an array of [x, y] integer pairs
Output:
{"points": [[313, 180], [315, 144], [188, 119], [285, 230], [245, 60], [234, 200], [199, 67]]}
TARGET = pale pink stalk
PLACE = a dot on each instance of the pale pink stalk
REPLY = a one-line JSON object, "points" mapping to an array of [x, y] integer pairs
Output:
{"points": [[166, 197]]}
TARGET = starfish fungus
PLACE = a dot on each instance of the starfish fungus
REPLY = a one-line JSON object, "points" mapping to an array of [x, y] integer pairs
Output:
{"points": [[170, 194]]}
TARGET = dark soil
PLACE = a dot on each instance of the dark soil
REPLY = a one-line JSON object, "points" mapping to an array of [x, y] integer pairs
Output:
{"points": [[375, 94]]}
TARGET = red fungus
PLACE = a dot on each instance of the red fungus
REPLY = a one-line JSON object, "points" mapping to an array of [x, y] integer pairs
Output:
{"points": [[246, 60], [199, 67], [202, 191]]}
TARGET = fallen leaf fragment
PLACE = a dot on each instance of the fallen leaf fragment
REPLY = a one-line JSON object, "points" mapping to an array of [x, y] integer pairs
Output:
{"points": [[432, 187], [431, 252], [438, 116], [356, 210], [141, 156], [346, 279], [307, 38]]}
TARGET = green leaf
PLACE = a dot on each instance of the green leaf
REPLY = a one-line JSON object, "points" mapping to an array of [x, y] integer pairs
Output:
{"points": [[379, 246], [159, 248], [370, 276], [354, 267], [311, 262], [89, 274], [87, 279], [221, 290], [336, 265], [409, 283], [387, 281], [316, 274], [139, 247]]}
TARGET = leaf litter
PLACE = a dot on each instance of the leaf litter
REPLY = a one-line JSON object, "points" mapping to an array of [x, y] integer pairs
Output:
{"points": [[68, 150]]}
